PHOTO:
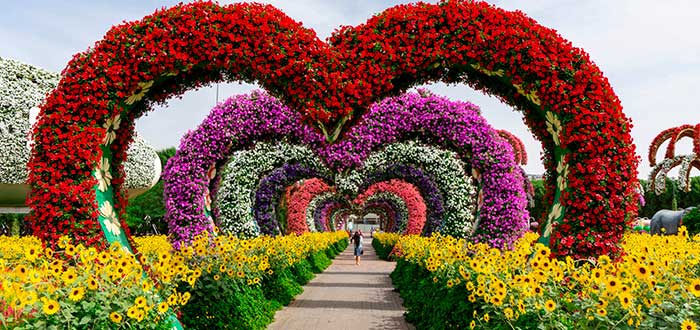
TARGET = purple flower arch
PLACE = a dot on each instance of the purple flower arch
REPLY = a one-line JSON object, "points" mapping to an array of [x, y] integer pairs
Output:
{"points": [[235, 124], [271, 189], [322, 213], [243, 120], [452, 125], [391, 209]]}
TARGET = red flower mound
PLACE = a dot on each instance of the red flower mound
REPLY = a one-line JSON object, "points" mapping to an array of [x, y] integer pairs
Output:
{"points": [[411, 197], [567, 102], [298, 201]]}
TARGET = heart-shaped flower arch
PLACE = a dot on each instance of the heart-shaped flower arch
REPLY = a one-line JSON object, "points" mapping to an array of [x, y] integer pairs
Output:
{"points": [[449, 124], [393, 207], [411, 198], [567, 102]]}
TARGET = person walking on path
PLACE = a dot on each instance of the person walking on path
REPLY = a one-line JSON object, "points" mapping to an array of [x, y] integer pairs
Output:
{"points": [[357, 240]]}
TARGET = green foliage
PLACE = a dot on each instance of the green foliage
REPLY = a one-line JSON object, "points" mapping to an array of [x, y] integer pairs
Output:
{"points": [[13, 225], [540, 209], [166, 154], [227, 304], [319, 261], [672, 199], [145, 213], [430, 304], [302, 272], [382, 250], [148, 205], [691, 221], [281, 286]]}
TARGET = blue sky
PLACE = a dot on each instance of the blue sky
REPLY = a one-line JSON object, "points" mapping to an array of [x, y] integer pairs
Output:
{"points": [[649, 50]]}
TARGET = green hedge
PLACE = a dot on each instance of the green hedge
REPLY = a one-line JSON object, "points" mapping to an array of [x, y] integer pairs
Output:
{"points": [[225, 304], [382, 249], [429, 304]]}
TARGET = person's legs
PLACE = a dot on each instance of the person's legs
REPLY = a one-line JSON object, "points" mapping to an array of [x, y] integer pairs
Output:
{"points": [[357, 260]]}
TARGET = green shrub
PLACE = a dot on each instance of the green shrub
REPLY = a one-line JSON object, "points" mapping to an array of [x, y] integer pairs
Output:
{"points": [[431, 303], [281, 286], [319, 261], [383, 250], [149, 205], [302, 272], [691, 221], [227, 304]]}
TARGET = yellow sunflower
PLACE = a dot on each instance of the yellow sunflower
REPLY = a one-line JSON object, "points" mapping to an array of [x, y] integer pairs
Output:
{"points": [[115, 317], [612, 284], [689, 325], [641, 271], [625, 300], [602, 312], [550, 305], [76, 294], [508, 312], [50, 307], [92, 283], [694, 287], [163, 307], [132, 312], [69, 276]]}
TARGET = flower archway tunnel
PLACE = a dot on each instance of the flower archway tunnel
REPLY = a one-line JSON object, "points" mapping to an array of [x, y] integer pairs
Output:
{"points": [[566, 101]]}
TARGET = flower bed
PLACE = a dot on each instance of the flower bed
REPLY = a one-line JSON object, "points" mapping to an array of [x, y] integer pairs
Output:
{"points": [[395, 209], [655, 285], [320, 208], [80, 287], [384, 242]]}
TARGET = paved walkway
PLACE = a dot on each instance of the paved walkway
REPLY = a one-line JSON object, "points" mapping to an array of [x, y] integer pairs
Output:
{"points": [[347, 296]]}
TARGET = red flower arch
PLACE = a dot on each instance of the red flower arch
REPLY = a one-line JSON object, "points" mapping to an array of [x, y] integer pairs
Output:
{"points": [[298, 201], [417, 211], [673, 135], [517, 144], [567, 102]]}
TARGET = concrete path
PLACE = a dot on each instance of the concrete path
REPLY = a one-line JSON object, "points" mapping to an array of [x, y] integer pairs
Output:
{"points": [[347, 296]]}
